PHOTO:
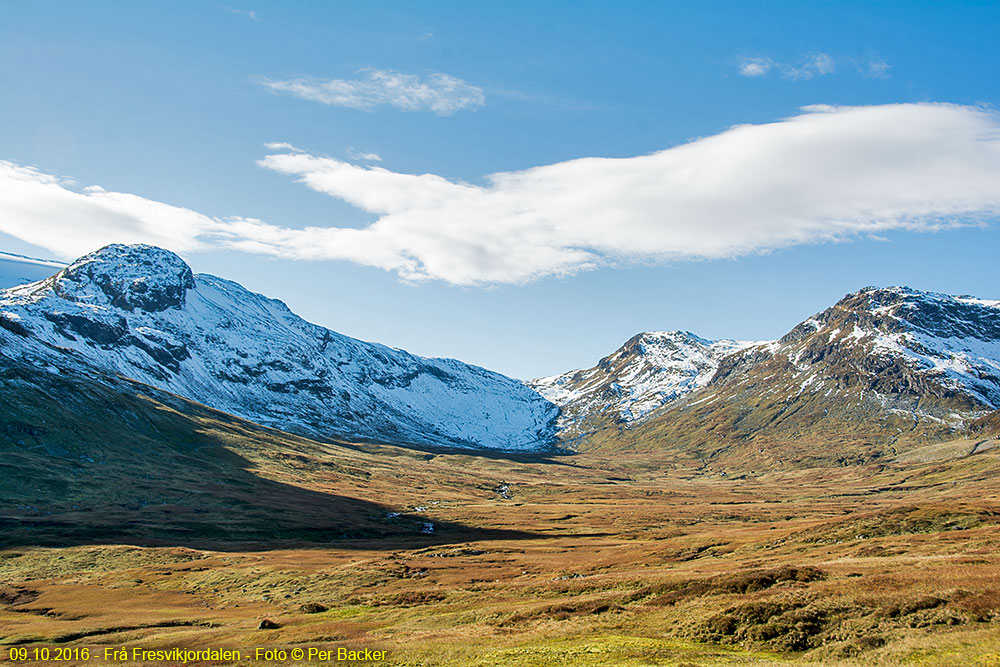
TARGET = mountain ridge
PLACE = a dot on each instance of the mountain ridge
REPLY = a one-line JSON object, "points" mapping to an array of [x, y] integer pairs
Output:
{"points": [[882, 367], [140, 312]]}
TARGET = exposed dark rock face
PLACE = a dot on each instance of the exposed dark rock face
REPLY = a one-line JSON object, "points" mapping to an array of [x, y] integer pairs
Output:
{"points": [[97, 331], [129, 277]]}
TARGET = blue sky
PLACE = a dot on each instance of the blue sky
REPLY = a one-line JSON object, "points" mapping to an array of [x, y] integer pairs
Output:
{"points": [[182, 104]]}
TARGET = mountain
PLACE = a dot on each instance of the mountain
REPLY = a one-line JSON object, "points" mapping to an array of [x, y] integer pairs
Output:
{"points": [[880, 370], [649, 371], [18, 269], [139, 312]]}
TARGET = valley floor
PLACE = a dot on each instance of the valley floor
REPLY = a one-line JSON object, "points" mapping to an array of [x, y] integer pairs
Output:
{"points": [[570, 560]]}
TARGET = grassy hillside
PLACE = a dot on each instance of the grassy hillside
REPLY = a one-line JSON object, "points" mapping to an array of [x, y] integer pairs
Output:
{"points": [[134, 518]]}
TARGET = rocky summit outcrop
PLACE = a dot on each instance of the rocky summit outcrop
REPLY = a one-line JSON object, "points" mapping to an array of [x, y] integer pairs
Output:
{"points": [[139, 312], [127, 277]]}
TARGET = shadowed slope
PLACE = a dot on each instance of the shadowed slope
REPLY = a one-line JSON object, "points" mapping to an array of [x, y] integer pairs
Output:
{"points": [[87, 460]]}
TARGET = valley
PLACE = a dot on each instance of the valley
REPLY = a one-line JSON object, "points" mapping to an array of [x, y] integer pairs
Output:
{"points": [[534, 559], [540, 334], [186, 464]]}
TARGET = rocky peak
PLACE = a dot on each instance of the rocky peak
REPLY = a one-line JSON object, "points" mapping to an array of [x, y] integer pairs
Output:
{"points": [[894, 341], [933, 314], [127, 277], [903, 310], [670, 339], [672, 343], [650, 370]]}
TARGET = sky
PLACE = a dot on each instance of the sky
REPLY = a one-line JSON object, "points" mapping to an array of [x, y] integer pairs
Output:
{"points": [[519, 185]]}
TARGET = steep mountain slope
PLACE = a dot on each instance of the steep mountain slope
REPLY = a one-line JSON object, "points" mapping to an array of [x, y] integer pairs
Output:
{"points": [[18, 270], [882, 368], [649, 371], [139, 311]]}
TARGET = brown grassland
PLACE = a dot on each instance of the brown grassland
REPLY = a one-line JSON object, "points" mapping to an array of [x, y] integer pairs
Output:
{"points": [[576, 559]]}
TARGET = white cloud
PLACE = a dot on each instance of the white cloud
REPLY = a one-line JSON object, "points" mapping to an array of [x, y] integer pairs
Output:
{"points": [[754, 67], [43, 210], [830, 173], [440, 93], [818, 64]]}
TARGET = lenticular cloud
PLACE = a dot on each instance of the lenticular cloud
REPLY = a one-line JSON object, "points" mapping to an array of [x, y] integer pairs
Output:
{"points": [[829, 173]]}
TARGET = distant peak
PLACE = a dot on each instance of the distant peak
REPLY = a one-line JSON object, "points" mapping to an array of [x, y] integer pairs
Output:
{"points": [[899, 294], [669, 337], [129, 276]]}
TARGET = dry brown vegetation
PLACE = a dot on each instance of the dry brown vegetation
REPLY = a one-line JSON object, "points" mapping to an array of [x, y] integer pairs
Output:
{"points": [[612, 563], [589, 559]]}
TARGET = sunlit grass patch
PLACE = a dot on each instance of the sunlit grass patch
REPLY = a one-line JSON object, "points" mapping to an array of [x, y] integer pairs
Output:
{"points": [[626, 651]]}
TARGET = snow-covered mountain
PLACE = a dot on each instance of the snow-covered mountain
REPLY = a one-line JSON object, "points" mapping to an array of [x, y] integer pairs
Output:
{"points": [[898, 340], [138, 311], [646, 373], [18, 269], [880, 366]]}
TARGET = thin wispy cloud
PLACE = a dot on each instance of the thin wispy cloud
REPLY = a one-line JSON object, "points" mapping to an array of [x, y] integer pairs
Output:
{"points": [[442, 94], [279, 146], [361, 156], [827, 174], [819, 64], [548, 99], [809, 67], [873, 68], [250, 14]]}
